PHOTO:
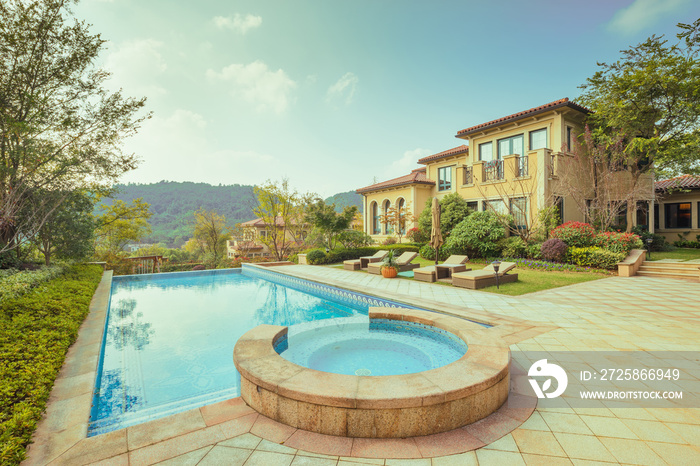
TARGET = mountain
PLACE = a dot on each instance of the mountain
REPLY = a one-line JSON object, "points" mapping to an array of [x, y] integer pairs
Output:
{"points": [[346, 199], [174, 203]]}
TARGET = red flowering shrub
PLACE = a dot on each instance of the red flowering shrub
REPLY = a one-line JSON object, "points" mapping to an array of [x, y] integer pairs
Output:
{"points": [[574, 234], [416, 235], [554, 249], [618, 242]]}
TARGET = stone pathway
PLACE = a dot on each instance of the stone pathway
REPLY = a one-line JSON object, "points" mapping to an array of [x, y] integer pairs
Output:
{"points": [[638, 313]]}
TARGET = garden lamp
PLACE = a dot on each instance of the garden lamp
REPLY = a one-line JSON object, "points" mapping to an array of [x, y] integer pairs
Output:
{"points": [[496, 265], [649, 241]]}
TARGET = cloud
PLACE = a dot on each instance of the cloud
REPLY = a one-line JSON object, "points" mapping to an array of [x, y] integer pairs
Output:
{"points": [[136, 65], [407, 162], [343, 89], [642, 14], [256, 84], [240, 24]]}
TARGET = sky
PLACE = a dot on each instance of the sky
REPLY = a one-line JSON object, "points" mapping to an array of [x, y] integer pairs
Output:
{"points": [[337, 95]]}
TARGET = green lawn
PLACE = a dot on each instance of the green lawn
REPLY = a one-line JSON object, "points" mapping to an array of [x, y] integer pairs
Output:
{"points": [[529, 280], [678, 253]]}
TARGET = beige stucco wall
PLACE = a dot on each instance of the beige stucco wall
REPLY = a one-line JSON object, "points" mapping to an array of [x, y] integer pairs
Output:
{"points": [[415, 197]]}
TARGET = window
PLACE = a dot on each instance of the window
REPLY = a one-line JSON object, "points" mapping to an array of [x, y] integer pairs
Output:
{"points": [[375, 219], [497, 206], [569, 138], [518, 207], [559, 203], [511, 145], [486, 151], [677, 215], [444, 178], [643, 214], [263, 233], [388, 229], [656, 217], [402, 221], [473, 206], [538, 139]]}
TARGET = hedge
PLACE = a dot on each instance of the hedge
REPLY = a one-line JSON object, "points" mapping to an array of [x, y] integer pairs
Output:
{"points": [[319, 256], [36, 330]]}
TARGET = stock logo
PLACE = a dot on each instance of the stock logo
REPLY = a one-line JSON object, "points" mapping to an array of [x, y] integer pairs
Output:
{"points": [[542, 368]]}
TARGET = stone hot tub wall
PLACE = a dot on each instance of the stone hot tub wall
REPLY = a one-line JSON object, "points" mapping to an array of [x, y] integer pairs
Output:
{"points": [[408, 405]]}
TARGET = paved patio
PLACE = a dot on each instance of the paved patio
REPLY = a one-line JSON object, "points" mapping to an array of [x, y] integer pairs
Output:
{"points": [[638, 313]]}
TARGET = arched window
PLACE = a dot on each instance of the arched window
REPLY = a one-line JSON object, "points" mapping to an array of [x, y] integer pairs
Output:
{"points": [[388, 229], [401, 206], [375, 219]]}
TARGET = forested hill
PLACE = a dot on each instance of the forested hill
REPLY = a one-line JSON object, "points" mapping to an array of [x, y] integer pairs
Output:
{"points": [[173, 203]]}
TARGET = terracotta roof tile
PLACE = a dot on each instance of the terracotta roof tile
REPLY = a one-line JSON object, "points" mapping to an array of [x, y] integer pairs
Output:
{"points": [[565, 102], [463, 149], [416, 176], [258, 222], [683, 181]]}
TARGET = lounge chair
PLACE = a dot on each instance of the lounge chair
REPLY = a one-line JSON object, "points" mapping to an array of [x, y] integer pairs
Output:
{"points": [[477, 279], [428, 274], [362, 262], [403, 262]]}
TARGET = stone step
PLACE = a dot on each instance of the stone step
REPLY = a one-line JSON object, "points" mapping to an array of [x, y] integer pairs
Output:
{"points": [[695, 272], [683, 276], [679, 265]]}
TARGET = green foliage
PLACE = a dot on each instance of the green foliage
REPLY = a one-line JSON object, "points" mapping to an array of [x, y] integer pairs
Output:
{"points": [[60, 127], [319, 256], [325, 219], [477, 235], [428, 252], [119, 224], [36, 330], [211, 231], [389, 240], [658, 242], [389, 261], [651, 95], [574, 234], [453, 210], [416, 235], [594, 256], [547, 220], [534, 251], [354, 239], [513, 246], [14, 283]]}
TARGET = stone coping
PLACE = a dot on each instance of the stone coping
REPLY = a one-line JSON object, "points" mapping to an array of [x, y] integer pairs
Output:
{"points": [[293, 394]]}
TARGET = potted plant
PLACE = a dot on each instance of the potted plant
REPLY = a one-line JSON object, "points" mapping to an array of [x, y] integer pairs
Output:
{"points": [[390, 268]]}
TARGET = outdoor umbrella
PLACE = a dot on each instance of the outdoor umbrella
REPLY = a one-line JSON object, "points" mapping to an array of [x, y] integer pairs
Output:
{"points": [[435, 233]]}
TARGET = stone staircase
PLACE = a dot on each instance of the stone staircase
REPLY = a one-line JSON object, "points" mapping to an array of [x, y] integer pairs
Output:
{"points": [[670, 269]]}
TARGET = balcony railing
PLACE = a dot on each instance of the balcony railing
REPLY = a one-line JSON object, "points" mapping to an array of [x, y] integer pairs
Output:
{"points": [[468, 175], [552, 165], [521, 166], [493, 170]]}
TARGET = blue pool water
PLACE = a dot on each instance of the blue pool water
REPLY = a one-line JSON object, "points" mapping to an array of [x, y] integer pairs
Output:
{"points": [[169, 338], [380, 347]]}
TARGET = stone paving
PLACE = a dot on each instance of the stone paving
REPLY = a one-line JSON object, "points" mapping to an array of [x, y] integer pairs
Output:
{"points": [[638, 313]]}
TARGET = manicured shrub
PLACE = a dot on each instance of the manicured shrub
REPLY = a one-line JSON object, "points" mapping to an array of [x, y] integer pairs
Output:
{"points": [[316, 256], [658, 242], [513, 247], [354, 239], [554, 249], [574, 234], [427, 252], [14, 283], [319, 256], [477, 235], [36, 330], [416, 235], [534, 251], [596, 257], [618, 242]]}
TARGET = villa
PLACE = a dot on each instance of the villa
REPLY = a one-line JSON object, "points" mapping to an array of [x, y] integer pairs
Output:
{"points": [[509, 165], [677, 211], [250, 243]]}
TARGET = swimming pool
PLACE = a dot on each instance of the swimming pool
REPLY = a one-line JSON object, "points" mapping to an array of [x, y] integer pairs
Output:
{"points": [[169, 338]]}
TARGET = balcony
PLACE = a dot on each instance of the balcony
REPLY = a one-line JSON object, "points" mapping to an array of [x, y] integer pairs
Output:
{"points": [[493, 170], [521, 166], [468, 175]]}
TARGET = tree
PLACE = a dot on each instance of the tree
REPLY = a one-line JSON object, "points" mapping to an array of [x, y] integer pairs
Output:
{"points": [[60, 129], [69, 229], [211, 232], [328, 222], [396, 218], [120, 224], [282, 210], [650, 100], [453, 209]]}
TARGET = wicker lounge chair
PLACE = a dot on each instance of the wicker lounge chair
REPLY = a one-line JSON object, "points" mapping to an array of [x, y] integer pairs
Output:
{"points": [[427, 274], [403, 261], [477, 279], [363, 262]]}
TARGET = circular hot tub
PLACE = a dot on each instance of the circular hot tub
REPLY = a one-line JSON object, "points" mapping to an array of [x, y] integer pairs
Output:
{"points": [[330, 383], [378, 347]]}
